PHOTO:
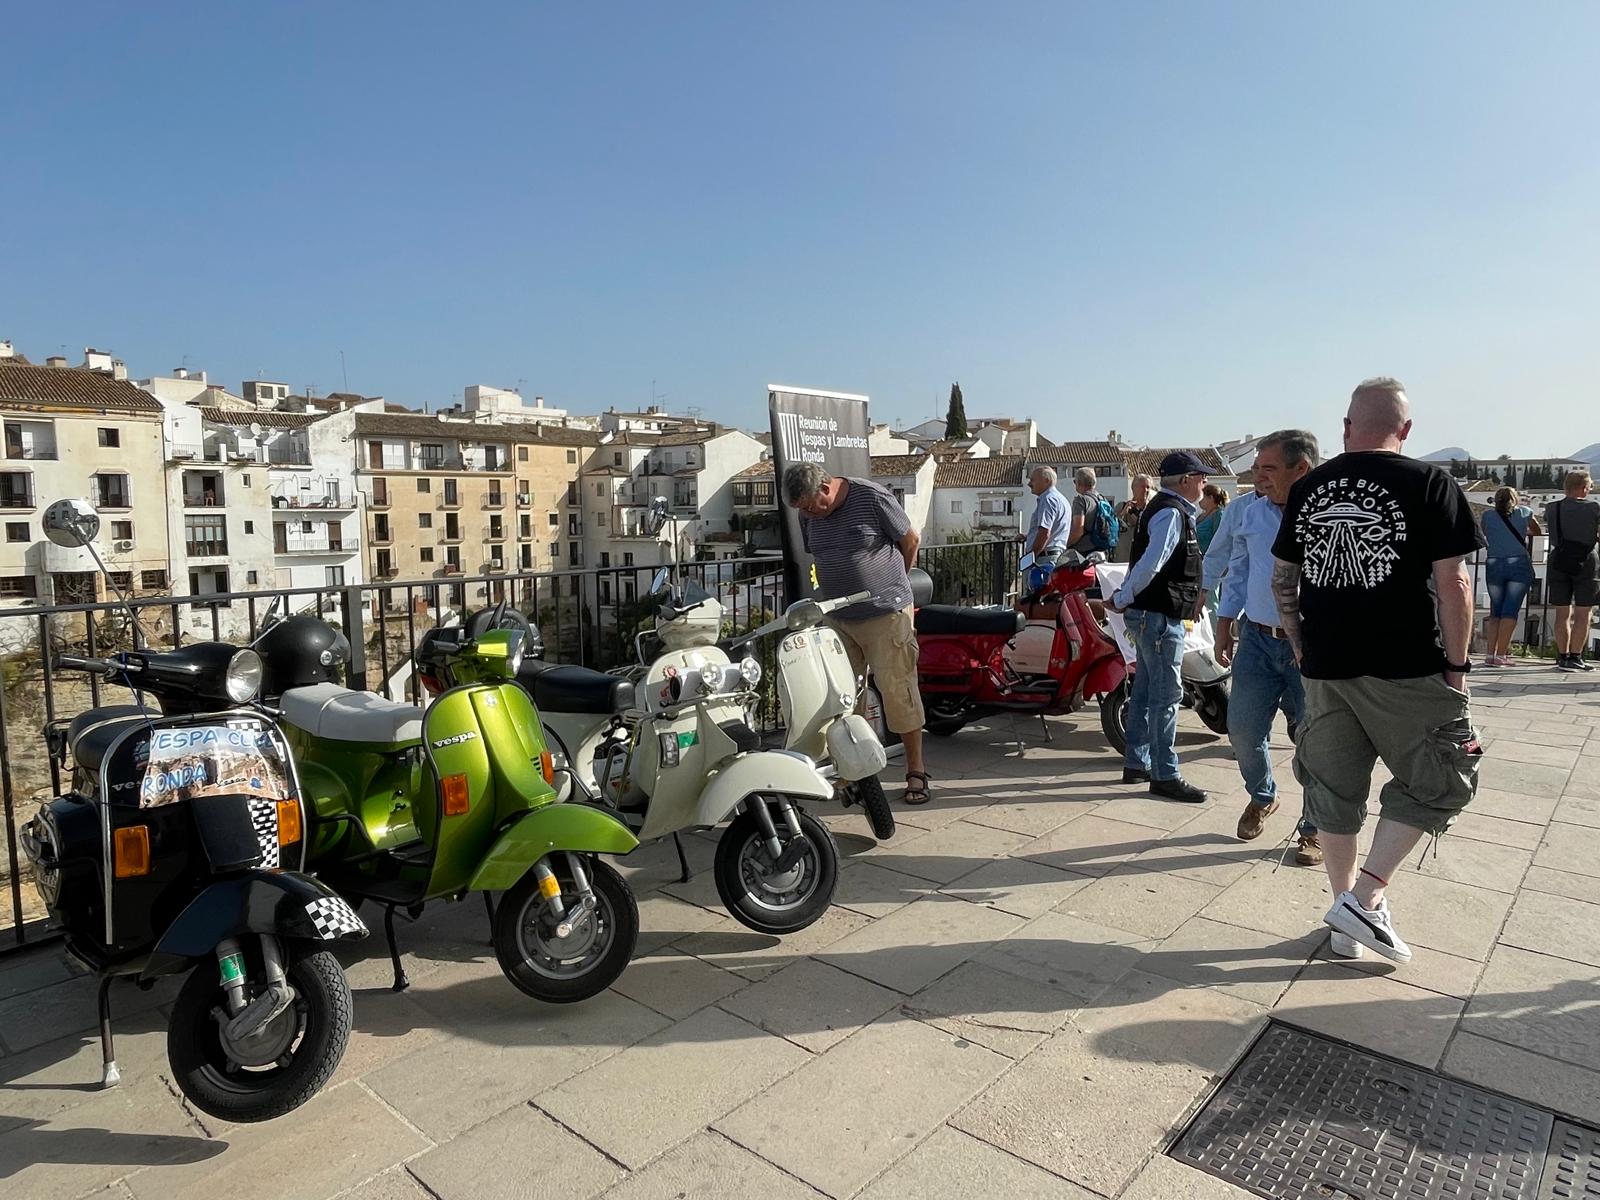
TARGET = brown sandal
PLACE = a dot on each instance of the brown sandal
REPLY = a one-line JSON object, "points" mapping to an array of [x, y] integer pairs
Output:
{"points": [[917, 793]]}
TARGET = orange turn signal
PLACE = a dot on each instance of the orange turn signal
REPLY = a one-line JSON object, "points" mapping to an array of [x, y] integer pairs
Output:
{"points": [[456, 798], [547, 766], [130, 851], [288, 822]]}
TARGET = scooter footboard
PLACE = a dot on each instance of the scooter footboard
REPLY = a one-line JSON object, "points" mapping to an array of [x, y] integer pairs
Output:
{"points": [[580, 828], [292, 906]]}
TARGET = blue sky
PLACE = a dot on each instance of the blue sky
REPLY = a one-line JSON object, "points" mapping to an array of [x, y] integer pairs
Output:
{"points": [[1183, 221]]}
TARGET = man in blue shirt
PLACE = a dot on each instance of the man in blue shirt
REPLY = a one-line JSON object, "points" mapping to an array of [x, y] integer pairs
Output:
{"points": [[1265, 674], [1046, 538], [1161, 588], [1215, 564]]}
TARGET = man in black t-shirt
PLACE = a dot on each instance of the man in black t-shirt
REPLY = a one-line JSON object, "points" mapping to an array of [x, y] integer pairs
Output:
{"points": [[1374, 594]]}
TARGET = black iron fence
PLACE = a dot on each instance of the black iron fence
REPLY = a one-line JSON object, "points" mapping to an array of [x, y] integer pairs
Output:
{"points": [[590, 617]]}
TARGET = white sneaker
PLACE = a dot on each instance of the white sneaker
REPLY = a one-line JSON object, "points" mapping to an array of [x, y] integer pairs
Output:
{"points": [[1371, 927], [1342, 945]]}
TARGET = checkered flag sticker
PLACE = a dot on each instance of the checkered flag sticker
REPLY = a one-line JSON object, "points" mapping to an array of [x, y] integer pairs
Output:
{"points": [[334, 919], [264, 820]]}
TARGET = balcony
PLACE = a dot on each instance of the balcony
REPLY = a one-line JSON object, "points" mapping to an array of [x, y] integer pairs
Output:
{"points": [[207, 549], [389, 573], [495, 535], [310, 548], [379, 500], [995, 521], [524, 500], [32, 453], [285, 506], [495, 500], [450, 569], [448, 500], [450, 537], [495, 566], [382, 537]]}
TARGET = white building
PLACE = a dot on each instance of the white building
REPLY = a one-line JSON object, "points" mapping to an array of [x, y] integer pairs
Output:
{"points": [[1107, 460], [910, 478], [506, 406], [653, 420], [979, 499]]}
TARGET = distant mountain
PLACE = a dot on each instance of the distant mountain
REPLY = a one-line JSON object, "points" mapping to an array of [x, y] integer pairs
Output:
{"points": [[1589, 454], [1448, 453]]}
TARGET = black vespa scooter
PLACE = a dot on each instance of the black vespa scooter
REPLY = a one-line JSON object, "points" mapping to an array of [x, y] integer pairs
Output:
{"points": [[177, 849]]}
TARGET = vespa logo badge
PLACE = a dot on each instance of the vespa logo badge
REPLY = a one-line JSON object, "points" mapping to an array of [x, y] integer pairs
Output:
{"points": [[455, 740]]}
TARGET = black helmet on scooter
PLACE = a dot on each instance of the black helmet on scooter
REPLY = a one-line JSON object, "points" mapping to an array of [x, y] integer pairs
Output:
{"points": [[300, 651]]}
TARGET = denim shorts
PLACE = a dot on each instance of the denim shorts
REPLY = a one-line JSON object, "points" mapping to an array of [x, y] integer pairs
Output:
{"points": [[1508, 580]]}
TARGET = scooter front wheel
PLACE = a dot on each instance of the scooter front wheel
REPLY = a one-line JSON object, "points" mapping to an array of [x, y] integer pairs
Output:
{"points": [[282, 1066], [563, 969], [1114, 715], [770, 895]]}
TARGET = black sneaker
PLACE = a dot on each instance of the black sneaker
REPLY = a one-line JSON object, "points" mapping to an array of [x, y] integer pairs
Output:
{"points": [[1564, 662], [1177, 789], [1582, 663]]}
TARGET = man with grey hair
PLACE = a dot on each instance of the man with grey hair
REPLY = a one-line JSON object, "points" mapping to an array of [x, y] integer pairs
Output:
{"points": [[1266, 677], [862, 541], [1133, 508], [1047, 532], [1374, 595], [1085, 512]]}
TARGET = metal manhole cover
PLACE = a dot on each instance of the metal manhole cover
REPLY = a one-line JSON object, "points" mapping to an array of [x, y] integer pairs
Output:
{"points": [[1305, 1117], [1572, 1168]]}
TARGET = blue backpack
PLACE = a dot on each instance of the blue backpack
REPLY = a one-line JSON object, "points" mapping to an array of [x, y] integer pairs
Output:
{"points": [[1104, 529]]}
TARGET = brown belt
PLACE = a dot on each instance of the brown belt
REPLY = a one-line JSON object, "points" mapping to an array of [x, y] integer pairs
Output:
{"points": [[1272, 631]]}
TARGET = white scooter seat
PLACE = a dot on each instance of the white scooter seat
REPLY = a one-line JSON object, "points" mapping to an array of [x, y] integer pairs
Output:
{"points": [[338, 714]]}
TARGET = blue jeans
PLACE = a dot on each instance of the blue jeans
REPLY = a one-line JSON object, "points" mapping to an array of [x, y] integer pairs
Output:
{"points": [[1508, 579], [1265, 679], [1157, 688]]}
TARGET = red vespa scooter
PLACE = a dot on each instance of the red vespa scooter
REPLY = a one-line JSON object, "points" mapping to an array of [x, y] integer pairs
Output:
{"points": [[1050, 658]]}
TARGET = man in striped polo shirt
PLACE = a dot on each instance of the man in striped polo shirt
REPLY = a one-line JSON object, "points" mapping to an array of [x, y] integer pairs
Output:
{"points": [[862, 541]]}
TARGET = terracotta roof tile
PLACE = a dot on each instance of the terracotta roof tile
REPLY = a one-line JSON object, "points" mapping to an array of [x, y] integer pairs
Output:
{"points": [[245, 417], [998, 470], [1076, 454], [897, 464], [761, 470], [25, 385], [1148, 462]]}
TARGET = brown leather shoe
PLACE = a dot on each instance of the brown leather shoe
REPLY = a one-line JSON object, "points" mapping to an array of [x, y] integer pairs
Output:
{"points": [[1309, 852], [1254, 819]]}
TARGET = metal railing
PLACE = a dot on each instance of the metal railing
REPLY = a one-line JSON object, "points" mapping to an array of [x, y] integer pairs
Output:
{"points": [[588, 617]]}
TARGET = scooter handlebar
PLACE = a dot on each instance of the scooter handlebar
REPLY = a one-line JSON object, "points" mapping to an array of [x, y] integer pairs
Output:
{"points": [[96, 666]]}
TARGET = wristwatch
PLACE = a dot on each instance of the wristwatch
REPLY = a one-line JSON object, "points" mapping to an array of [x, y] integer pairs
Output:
{"points": [[1458, 668]]}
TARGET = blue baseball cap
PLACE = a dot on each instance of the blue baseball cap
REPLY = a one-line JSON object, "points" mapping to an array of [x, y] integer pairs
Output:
{"points": [[1181, 462]]}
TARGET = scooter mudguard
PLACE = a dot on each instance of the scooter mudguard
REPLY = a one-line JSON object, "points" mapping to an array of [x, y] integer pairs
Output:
{"points": [[766, 772], [582, 828], [1105, 676], [286, 903]]}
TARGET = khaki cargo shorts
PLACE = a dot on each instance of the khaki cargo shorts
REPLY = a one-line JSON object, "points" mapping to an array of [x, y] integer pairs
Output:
{"points": [[1420, 728], [888, 644]]}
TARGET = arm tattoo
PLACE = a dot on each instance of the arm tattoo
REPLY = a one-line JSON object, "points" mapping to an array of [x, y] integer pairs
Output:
{"points": [[1286, 590]]}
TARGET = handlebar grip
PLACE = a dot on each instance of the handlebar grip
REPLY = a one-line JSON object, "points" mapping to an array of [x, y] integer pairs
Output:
{"points": [[75, 663]]}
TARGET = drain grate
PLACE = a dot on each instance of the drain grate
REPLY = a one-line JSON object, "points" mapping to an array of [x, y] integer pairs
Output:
{"points": [[1305, 1118], [1572, 1168]]}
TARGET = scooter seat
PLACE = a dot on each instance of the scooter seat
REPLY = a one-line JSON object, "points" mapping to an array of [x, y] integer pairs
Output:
{"points": [[91, 734], [575, 689], [953, 618], [337, 714]]}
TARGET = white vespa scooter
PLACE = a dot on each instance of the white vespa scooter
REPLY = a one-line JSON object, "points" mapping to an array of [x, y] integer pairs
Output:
{"points": [[672, 751], [818, 693]]}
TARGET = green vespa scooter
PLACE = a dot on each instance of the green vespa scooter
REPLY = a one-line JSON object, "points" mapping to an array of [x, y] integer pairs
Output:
{"points": [[410, 805]]}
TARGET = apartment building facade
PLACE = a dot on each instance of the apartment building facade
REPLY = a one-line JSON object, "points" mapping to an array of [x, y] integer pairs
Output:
{"points": [[79, 432]]}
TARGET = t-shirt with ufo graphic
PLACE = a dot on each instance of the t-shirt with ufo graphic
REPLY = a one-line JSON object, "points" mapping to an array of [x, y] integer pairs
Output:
{"points": [[1366, 528]]}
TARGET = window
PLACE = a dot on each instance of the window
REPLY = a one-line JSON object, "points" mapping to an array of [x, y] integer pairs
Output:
{"points": [[306, 527], [110, 490], [605, 558], [123, 530], [152, 580], [385, 562], [572, 456], [424, 520], [525, 558], [627, 558], [18, 585], [572, 491], [252, 577], [432, 455], [424, 485], [955, 506], [16, 531], [525, 526], [426, 554], [245, 479], [616, 459], [451, 495], [605, 591], [249, 526], [630, 589], [205, 536], [209, 582], [333, 576], [109, 437], [574, 554], [600, 489], [380, 527], [121, 582], [16, 490], [554, 520], [452, 526], [522, 454], [555, 551], [74, 587]]}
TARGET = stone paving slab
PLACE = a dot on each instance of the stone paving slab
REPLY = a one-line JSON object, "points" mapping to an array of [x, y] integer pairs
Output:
{"points": [[1022, 994]]}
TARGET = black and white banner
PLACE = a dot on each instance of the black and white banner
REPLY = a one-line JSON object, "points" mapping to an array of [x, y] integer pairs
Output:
{"points": [[827, 428]]}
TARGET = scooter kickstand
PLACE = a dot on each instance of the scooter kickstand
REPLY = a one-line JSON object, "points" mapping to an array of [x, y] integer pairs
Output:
{"points": [[488, 904], [109, 1075], [683, 860], [401, 982], [1045, 725]]}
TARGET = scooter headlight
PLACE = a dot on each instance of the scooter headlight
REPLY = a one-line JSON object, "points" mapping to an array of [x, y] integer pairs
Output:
{"points": [[750, 671], [243, 678]]}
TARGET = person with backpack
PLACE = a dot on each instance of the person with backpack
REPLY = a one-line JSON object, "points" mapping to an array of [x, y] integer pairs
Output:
{"points": [[1507, 528], [1573, 575], [1094, 521]]}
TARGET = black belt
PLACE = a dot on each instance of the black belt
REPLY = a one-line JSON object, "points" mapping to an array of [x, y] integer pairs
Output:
{"points": [[1272, 631]]}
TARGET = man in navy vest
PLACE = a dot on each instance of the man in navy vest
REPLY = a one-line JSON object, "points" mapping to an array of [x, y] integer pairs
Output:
{"points": [[1161, 589]]}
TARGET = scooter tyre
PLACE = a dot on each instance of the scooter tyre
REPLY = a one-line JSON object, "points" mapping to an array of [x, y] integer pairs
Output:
{"points": [[765, 918], [942, 722], [879, 815], [611, 892], [1212, 707], [1114, 715], [195, 1054]]}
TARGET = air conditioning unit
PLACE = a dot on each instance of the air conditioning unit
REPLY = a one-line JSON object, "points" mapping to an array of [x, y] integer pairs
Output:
{"points": [[122, 546]]}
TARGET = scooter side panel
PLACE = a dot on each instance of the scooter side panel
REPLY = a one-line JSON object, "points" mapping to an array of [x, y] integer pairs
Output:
{"points": [[814, 670], [580, 828], [515, 741], [766, 772], [455, 744]]}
